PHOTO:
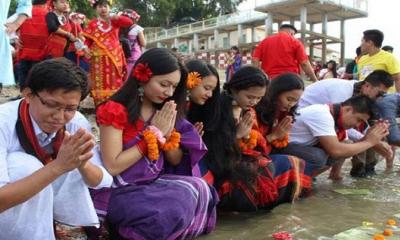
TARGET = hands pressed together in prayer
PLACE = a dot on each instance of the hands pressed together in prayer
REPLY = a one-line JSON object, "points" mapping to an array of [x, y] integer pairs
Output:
{"points": [[165, 118], [244, 126], [75, 151]]}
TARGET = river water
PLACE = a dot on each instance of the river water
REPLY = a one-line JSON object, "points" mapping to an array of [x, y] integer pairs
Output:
{"points": [[323, 214]]}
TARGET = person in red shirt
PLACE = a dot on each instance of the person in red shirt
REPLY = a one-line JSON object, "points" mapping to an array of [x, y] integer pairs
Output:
{"points": [[33, 37], [281, 53]]}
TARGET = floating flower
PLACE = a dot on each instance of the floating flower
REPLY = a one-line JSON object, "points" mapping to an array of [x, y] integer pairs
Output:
{"points": [[379, 237], [282, 236], [193, 80], [142, 72], [388, 232], [391, 222]]}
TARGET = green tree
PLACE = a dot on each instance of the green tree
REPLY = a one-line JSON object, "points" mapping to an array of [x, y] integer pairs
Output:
{"points": [[163, 12]]}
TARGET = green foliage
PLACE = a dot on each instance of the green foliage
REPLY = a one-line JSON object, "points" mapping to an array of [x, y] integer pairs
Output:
{"points": [[156, 13], [164, 12]]}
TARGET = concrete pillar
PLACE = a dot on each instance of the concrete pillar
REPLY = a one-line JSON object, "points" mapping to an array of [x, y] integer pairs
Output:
{"points": [[268, 24], [303, 21], [240, 33], [216, 39], [253, 34], [324, 32], [176, 42], [190, 46], [342, 44], [311, 46], [196, 42], [292, 21]]}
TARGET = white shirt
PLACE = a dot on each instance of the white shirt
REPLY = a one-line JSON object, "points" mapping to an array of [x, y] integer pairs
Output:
{"points": [[313, 122], [329, 91], [326, 91], [66, 200]]}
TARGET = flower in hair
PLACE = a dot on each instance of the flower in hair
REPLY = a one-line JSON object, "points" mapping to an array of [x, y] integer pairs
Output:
{"points": [[193, 80], [142, 72]]}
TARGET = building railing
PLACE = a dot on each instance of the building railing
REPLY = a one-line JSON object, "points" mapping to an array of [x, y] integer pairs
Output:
{"points": [[361, 5], [207, 24]]}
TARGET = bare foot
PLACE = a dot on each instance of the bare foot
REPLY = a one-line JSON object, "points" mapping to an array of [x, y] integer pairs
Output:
{"points": [[335, 177]]}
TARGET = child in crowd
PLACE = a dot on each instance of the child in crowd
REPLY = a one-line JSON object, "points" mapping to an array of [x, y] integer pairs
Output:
{"points": [[63, 32], [107, 64], [234, 62], [141, 128]]}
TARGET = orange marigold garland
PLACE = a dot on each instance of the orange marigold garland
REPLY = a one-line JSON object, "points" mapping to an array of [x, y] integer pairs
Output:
{"points": [[281, 143], [152, 145], [173, 141], [193, 80], [251, 143]]}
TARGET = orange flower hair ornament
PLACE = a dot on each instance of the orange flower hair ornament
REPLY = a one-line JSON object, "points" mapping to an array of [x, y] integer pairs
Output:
{"points": [[152, 145], [193, 80], [251, 143], [142, 72], [173, 141], [281, 143]]}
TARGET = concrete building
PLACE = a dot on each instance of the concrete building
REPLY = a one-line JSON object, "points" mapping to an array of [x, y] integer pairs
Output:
{"points": [[211, 38]]}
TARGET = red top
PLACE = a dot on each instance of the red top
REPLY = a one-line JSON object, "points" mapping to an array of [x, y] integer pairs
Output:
{"points": [[280, 53], [116, 115], [34, 35]]}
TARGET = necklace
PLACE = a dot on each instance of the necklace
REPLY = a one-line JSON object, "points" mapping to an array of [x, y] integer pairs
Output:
{"points": [[101, 28]]}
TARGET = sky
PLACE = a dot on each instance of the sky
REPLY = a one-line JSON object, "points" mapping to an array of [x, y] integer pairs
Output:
{"points": [[382, 15]]}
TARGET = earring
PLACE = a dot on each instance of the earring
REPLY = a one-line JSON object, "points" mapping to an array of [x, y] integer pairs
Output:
{"points": [[141, 93], [187, 95]]}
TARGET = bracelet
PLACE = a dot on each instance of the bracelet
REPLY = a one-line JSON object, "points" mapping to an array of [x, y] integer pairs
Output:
{"points": [[251, 143], [158, 133], [173, 141], [281, 143], [152, 146]]}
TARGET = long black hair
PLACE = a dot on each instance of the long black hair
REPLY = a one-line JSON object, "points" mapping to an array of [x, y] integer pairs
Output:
{"points": [[207, 113], [160, 61], [224, 157], [267, 106]]}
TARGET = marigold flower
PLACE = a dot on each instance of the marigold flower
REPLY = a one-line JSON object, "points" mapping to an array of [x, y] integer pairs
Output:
{"points": [[193, 80], [281, 143], [152, 146], [379, 237], [172, 142], [251, 143], [391, 222], [388, 232]]}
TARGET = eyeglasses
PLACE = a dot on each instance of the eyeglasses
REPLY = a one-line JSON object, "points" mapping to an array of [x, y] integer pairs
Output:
{"points": [[55, 106]]}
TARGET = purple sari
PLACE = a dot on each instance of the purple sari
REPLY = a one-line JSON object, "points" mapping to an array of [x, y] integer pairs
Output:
{"points": [[144, 203]]}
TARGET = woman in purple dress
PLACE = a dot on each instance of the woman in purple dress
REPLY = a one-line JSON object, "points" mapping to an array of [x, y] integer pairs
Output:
{"points": [[141, 128]]}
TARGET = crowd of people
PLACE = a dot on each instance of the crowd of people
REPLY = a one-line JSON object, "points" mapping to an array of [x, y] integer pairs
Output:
{"points": [[176, 143]]}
